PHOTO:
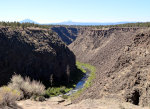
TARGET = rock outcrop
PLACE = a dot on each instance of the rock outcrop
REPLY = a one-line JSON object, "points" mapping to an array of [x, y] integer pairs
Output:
{"points": [[121, 56], [98, 43], [36, 53], [133, 69], [67, 34]]}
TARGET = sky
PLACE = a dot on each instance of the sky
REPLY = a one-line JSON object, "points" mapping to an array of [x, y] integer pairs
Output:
{"points": [[50, 11]]}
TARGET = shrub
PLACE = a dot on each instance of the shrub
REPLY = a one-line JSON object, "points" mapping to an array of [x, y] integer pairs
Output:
{"points": [[28, 87], [55, 91], [8, 96], [64, 96]]}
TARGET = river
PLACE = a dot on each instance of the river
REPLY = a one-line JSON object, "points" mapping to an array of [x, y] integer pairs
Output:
{"points": [[81, 83]]}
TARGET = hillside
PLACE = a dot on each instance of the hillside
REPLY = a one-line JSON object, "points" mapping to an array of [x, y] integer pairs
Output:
{"points": [[37, 53], [121, 56], [67, 34]]}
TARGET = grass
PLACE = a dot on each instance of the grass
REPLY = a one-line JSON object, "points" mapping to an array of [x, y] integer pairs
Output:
{"points": [[79, 66], [20, 87], [88, 83], [24, 88], [92, 74], [55, 91], [76, 77], [33, 88]]}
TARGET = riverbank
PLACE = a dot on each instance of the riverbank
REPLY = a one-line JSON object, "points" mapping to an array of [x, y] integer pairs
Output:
{"points": [[84, 75], [60, 103], [91, 75]]}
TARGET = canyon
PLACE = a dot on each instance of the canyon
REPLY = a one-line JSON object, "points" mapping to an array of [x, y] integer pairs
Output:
{"points": [[121, 56]]}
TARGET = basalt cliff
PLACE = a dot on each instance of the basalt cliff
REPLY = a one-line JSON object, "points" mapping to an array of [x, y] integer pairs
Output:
{"points": [[122, 59], [37, 53], [67, 34]]}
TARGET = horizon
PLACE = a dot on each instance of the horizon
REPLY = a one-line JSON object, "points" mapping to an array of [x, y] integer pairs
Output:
{"points": [[70, 21], [85, 21], [76, 21], [86, 11]]}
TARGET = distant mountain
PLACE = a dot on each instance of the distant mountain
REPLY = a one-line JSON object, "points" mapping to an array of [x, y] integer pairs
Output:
{"points": [[89, 23], [76, 23], [28, 21]]}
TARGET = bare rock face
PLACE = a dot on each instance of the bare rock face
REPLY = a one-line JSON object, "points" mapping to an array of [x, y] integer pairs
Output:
{"points": [[91, 42], [122, 59], [36, 53], [67, 34], [133, 67]]}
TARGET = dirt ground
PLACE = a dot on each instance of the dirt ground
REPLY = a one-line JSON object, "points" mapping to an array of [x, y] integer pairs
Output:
{"points": [[57, 103]]}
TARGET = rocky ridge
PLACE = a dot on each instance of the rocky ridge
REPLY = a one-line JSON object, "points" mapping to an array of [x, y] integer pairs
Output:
{"points": [[121, 56]]}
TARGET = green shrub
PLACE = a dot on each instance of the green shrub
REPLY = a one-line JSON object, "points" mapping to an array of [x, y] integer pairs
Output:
{"points": [[64, 96], [28, 87], [55, 91], [8, 96]]}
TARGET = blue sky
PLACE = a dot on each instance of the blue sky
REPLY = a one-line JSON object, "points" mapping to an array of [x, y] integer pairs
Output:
{"points": [[47, 11]]}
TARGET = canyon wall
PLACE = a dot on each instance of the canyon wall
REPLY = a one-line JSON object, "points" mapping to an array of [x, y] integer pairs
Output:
{"points": [[67, 34], [121, 57], [37, 53]]}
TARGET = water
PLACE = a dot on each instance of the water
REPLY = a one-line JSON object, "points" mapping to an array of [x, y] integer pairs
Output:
{"points": [[81, 83]]}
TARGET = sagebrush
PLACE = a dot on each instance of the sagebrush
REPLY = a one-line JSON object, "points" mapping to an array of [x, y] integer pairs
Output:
{"points": [[26, 86], [8, 96]]}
